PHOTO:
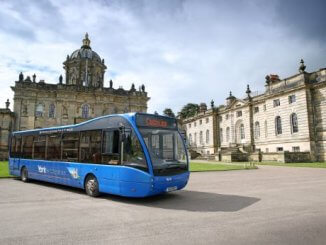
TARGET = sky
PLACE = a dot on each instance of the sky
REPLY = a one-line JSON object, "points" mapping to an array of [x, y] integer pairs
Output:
{"points": [[183, 51]]}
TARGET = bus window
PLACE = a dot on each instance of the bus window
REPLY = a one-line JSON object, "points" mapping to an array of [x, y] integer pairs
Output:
{"points": [[70, 145], [39, 147], [13, 147], [110, 148], [54, 147], [27, 146], [90, 146], [133, 155]]}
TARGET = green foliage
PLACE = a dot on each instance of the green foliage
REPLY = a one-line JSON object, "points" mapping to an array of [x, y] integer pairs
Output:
{"points": [[188, 110], [200, 167], [168, 112], [4, 169]]}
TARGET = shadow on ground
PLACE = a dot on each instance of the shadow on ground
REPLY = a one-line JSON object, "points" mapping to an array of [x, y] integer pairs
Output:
{"points": [[187, 200]]}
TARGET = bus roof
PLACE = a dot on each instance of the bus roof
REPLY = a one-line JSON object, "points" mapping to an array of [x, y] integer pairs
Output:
{"points": [[130, 117]]}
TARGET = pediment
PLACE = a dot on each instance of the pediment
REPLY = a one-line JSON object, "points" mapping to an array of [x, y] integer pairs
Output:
{"points": [[237, 103]]}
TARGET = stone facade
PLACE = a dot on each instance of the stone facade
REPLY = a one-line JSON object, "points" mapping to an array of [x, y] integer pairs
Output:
{"points": [[81, 97], [288, 117], [7, 120]]}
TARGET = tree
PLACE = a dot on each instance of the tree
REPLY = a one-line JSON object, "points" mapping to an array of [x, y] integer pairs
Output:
{"points": [[168, 112], [188, 110]]}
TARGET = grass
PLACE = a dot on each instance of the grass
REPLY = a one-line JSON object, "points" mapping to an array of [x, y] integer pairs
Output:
{"points": [[201, 167], [299, 164], [4, 170]]}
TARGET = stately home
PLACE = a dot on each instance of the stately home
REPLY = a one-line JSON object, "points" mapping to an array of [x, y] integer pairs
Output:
{"points": [[80, 96], [287, 122]]}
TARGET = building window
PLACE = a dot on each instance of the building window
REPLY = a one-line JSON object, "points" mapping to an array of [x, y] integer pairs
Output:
{"points": [[51, 111], [195, 124], [226, 116], [220, 118], [189, 126], [266, 129], [279, 149], [201, 141], [195, 138], [200, 122], [264, 107], [257, 130], [207, 136], [221, 135], [291, 98], [278, 125], [242, 132], [256, 109], [227, 134], [266, 150], [207, 120], [239, 113], [39, 110], [85, 111], [276, 103], [296, 148], [190, 139], [294, 123]]}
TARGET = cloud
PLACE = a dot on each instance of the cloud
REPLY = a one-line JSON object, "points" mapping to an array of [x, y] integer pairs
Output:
{"points": [[183, 51]]}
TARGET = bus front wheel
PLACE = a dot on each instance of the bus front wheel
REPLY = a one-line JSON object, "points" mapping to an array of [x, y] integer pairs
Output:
{"points": [[24, 174], [91, 186]]}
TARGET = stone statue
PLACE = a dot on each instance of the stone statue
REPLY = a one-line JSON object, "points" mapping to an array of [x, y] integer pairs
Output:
{"points": [[21, 77], [302, 67], [132, 87], [143, 88], [60, 79], [268, 79], [7, 104], [111, 84], [34, 78], [212, 104]]}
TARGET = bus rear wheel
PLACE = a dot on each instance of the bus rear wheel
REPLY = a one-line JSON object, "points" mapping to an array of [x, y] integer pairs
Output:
{"points": [[24, 174], [91, 186]]}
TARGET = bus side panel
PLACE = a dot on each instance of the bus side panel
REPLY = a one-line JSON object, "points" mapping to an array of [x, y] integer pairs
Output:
{"points": [[108, 178], [12, 170], [134, 182]]}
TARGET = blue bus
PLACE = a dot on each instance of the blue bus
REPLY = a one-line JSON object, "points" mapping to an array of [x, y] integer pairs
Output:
{"points": [[133, 155]]}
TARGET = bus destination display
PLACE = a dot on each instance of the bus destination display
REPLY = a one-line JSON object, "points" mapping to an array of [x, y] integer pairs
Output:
{"points": [[155, 121]]}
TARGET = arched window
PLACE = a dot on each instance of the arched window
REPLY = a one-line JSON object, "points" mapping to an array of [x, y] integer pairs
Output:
{"points": [[227, 134], [51, 111], [278, 125], [85, 111], [294, 123], [242, 132], [190, 139], [201, 137], [266, 130], [39, 110], [221, 135], [207, 136], [257, 130]]}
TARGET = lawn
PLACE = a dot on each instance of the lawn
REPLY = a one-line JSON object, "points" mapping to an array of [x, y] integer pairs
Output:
{"points": [[299, 164], [4, 169], [200, 167]]}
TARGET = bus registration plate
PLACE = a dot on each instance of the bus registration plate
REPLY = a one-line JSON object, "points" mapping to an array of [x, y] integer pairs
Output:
{"points": [[172, 188]]}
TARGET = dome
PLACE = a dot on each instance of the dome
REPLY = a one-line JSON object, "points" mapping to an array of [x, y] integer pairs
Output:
{"points": [[85, 51]]}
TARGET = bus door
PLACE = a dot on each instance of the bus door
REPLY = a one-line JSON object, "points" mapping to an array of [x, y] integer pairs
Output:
{"points": [[16, 153], [111, 148]]}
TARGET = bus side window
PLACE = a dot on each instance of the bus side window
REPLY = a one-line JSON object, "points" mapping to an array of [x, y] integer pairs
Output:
{"points": [[70, 146], [27, 146], [13, 147], [54, 147], [110, 147], [90, 146], [18, 147], [39, 147]]}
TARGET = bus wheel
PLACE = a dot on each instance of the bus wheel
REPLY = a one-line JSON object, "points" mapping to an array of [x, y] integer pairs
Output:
{"points": [[24, 174], [91, 186]]}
